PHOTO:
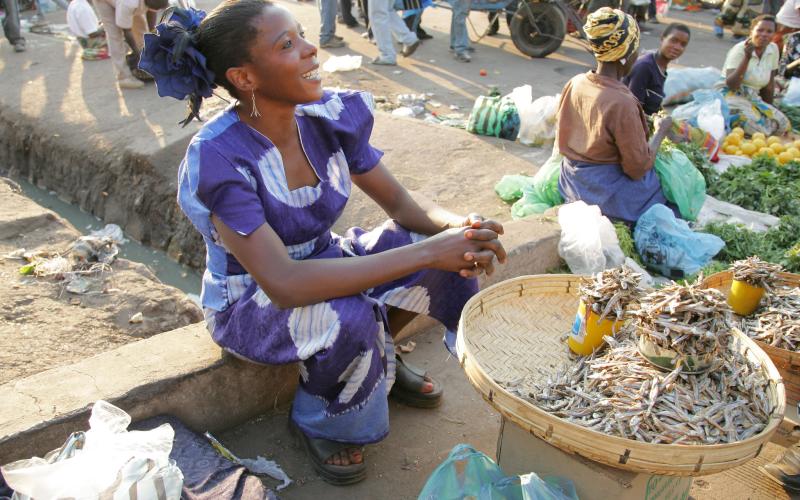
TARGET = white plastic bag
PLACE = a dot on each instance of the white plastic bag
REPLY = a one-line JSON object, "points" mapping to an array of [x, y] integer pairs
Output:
{"points": [[107, 461], [342, 63], [681, 82], [792, 97], [588, 242], [711, 120], [537, 118]]}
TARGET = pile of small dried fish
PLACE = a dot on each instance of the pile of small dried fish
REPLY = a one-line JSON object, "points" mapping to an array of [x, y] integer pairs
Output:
{"points": [[611, 291], [620, 394], [756, 272], [687, 319], [777, 322]]}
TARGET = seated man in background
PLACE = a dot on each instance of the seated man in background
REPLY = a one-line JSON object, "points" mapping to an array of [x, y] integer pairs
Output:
{"points": [[125, 23]]}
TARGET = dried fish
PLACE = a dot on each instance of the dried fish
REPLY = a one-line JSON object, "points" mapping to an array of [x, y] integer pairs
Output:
{"points": [[687, 319], [611, 291], [777, 321], [756, 272], [617, 392]]}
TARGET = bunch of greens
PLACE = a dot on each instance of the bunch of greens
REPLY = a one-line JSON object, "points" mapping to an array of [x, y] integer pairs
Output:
{"points": [[780, 244], [792, 113], [626, 242], [763, 186]]}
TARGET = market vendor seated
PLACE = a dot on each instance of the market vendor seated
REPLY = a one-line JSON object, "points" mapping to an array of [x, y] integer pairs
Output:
{"points": [[602, 130], [648, 75], [749, 71], [264, 181]]}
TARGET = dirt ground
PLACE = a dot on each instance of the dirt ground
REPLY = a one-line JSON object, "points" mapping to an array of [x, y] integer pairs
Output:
{"points": [[42, 325]]}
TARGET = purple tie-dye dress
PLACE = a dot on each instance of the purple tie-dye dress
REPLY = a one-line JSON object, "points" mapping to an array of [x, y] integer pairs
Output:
{"points": [[345, 353]]}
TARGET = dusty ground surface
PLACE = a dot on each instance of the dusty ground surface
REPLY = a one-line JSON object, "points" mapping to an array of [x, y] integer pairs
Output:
{"points": [[42, 325]]}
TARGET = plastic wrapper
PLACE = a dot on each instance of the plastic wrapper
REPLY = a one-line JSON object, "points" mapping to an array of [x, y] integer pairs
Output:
{"points": [[589, 241], [468, 473], [107, 461], [667, 244], [682, 82], [681, 182]]}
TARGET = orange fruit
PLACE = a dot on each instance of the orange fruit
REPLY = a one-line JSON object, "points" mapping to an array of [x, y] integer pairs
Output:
{"points": [[766, 151], [773, 139], [738, 130], [748, 148], [759, 143], [785, 157], [794, 151], [731, 149], [759, 135], [777, 147]]}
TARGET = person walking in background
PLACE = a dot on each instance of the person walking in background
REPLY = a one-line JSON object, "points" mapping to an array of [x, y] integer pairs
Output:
{"points": [[737, 15], [83, 23], [327, 29], [11, 25], [459, 38], [385, 24], [125, 24], [346, 14]]}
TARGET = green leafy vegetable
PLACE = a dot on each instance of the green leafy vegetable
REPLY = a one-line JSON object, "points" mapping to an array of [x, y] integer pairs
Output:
{"points": [[763, 186]]}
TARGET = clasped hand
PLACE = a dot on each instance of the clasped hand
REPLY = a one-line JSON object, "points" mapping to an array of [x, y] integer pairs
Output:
{"points": [[470, 249]]}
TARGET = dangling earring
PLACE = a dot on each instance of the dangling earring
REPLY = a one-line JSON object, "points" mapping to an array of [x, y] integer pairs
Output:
{"points": [[254, 113]]}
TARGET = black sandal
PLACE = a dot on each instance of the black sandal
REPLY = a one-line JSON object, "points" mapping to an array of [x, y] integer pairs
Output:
{"points": [[407, 386], [321, 449]]}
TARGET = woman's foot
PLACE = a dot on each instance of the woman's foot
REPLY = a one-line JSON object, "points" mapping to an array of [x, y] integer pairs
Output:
{"points": [[337, 463], [412, 386]]}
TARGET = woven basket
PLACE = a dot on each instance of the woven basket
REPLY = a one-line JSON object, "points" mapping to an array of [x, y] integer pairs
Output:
{"points": [[510, 329], [787, 362]]}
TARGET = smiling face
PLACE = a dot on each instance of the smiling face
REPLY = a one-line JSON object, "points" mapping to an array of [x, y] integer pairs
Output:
{"points": [[283, 65], [762, 33], [674, 44]]}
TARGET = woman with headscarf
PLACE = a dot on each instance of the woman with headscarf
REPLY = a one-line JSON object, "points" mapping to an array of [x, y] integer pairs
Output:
{"points": [[602, 129], [749, 86]]}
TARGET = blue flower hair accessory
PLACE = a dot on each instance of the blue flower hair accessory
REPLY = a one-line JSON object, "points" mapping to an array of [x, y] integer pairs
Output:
{"points": [[171, 57]]}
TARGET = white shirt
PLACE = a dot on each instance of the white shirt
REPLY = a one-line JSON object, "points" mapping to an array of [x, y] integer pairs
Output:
{"points": [[789, 15], [81, 19]]}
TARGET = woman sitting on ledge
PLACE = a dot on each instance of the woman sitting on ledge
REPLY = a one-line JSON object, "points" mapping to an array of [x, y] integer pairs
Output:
{"points": [[264, 181], [602, 130]]}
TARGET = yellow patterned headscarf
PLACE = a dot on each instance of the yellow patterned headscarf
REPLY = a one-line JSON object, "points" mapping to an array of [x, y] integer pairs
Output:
{"points": [[611, 33]]}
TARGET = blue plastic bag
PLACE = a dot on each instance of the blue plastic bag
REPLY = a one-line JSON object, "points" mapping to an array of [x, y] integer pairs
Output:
{"points": [[690, 111], [667, 244], [682, 82], [469, 473]]}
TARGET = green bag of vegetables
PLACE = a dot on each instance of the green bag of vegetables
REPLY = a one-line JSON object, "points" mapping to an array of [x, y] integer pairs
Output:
{"points": [[681, 182], [510, 187], [543, 192]]}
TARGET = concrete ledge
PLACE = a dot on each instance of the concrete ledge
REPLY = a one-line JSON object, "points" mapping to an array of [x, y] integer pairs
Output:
{"points": [[184, 373], [181, 372]]}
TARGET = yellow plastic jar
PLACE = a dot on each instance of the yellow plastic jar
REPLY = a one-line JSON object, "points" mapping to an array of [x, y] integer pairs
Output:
{"points": [[744, 298], [587, 332]]}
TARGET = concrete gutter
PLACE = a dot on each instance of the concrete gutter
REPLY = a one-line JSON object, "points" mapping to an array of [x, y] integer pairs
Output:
{"points": [[184, 373]]}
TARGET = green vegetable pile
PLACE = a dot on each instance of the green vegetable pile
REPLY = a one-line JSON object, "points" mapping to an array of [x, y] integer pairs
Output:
{"points": [[780, 244], [792, 113], [763, 186], [626, 242]]}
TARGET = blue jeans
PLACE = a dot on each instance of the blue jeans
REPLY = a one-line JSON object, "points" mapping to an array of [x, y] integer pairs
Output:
{"points": [[11, 21], [459, 39], [327, 14]]}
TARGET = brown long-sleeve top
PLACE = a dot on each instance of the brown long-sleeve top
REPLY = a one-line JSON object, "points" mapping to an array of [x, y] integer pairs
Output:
{"points": [[601, 121]]}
